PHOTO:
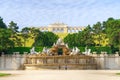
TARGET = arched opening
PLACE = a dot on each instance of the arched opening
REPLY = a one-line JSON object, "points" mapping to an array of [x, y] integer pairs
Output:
{"points": [[60, 51]]}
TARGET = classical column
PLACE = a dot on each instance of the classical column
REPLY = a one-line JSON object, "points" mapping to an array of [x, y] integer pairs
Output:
{"points": [[57, 30], [68, 30], [77, 30], [61, 30], [71, 30], [40, 29], [44, 29], [65, 30], [50, 29]]}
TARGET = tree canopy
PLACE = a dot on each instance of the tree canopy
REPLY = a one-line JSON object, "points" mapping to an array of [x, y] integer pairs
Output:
{"points": [[13, 26], [2, 24], [106, 33], [82, 38], [45, 39], [112, 29]]}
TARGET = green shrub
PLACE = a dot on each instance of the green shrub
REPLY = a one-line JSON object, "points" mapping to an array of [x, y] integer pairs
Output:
{"points": [[18, 49], [4, 74], [96, 49], [117, 73], [39, 49], [22, 49], [101, 49]]}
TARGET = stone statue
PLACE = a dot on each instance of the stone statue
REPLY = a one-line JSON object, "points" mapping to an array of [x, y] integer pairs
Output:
{"points": [[66, 45], [54, 44], [77, 50], [44, 50], [59, 42], [73, 50], [55, 47], [87, 51], [53, 50], [32, 51], [48, 51], [65, 51]]}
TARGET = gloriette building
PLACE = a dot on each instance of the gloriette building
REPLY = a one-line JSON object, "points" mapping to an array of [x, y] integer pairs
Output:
{"points": [[61, 28]]}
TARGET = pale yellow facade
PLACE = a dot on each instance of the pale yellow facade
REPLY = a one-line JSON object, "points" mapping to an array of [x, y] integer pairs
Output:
{"points": [[61, 28]]}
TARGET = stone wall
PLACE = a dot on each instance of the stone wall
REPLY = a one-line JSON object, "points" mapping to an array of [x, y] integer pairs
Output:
{"points": [[16, 61], [11, 62], [105, 61]]}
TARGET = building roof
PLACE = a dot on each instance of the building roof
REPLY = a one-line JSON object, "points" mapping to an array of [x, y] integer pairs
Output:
{"points": [[57, 24]]}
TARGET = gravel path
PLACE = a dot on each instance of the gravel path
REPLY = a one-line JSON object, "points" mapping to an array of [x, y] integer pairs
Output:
{"points": [[61, 75]]}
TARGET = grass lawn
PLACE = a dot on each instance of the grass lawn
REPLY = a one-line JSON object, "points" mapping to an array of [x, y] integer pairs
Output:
{"points": [[4, 74], [118, 73]]}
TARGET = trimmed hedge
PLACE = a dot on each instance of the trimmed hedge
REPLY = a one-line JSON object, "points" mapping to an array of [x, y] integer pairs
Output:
{"points": [[82, 49], [18, 49], [39, 49], [96, 49], [100, 49], [22, 49]]}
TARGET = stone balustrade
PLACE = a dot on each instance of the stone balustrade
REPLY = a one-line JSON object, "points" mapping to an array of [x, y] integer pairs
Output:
{"points": [[73, 62], [100, 61]]}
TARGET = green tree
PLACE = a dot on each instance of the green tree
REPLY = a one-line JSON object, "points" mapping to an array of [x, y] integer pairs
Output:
{"points": [[87, 36], [37, 35], [5, 35], [50, 38], [45, 39], [82, 38], [5, 41], [25, 34], [2, 24], [34, 32], [71, 39], [15, 34], [13, 26], [97, 30], [112, 29]]}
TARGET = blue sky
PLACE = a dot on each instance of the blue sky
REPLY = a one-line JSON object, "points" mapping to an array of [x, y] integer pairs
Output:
{"points": [[37, 13]]}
